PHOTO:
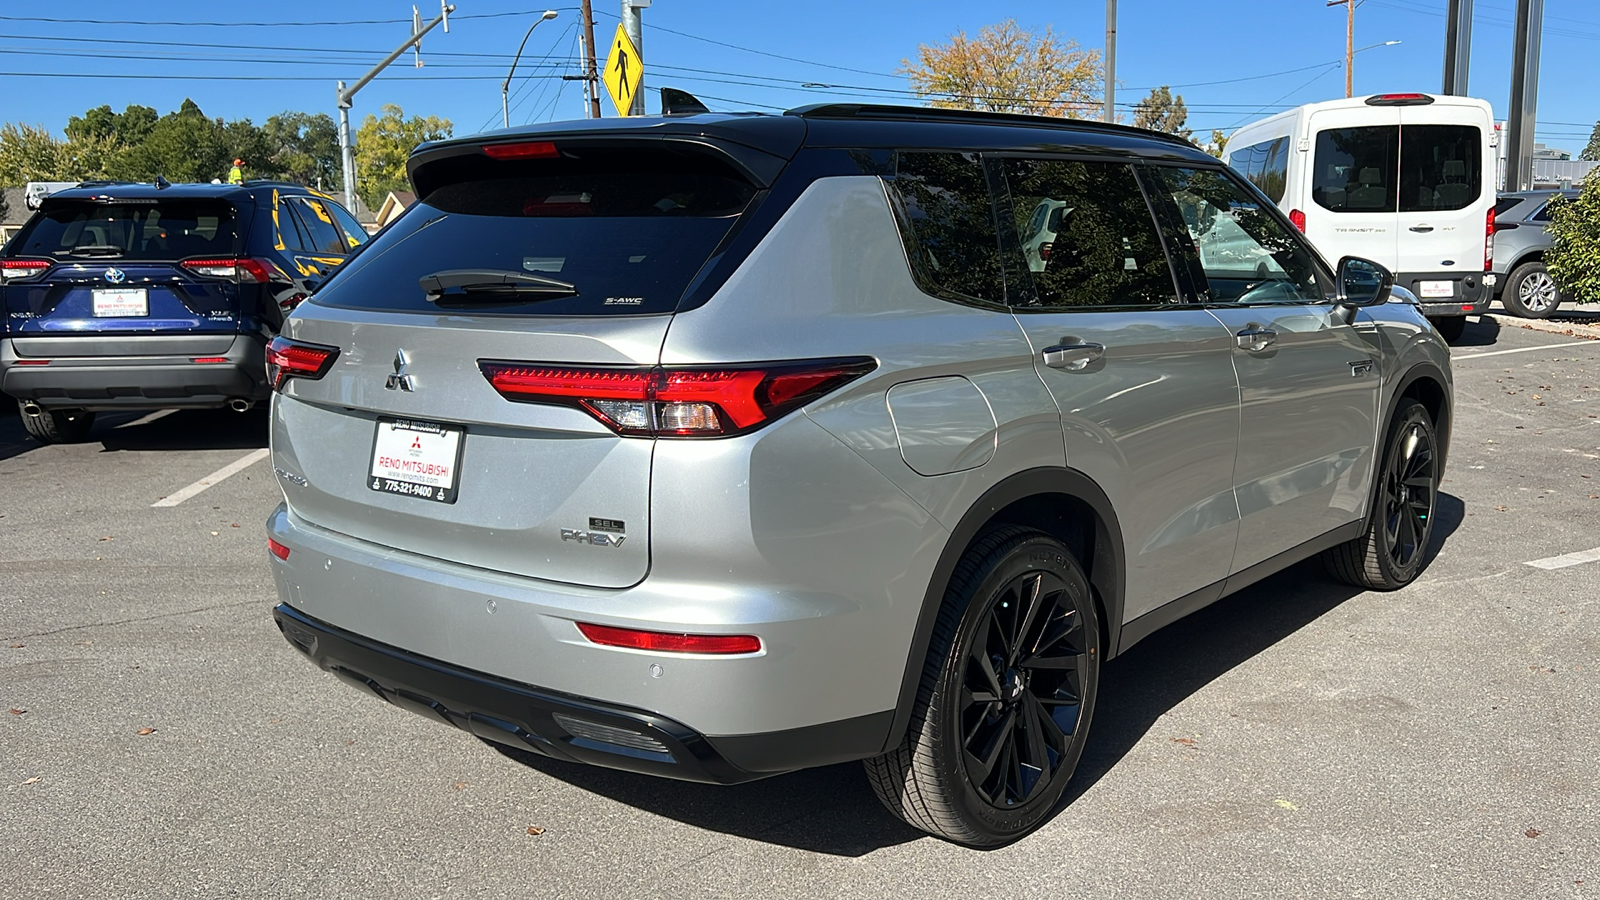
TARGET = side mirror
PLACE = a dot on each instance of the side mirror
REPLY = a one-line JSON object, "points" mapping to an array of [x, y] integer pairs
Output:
{"points": [[1363, 282]]}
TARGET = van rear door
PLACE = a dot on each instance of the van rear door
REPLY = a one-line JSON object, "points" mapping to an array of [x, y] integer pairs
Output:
{"points": [[1445, 195], [1352, 183]]}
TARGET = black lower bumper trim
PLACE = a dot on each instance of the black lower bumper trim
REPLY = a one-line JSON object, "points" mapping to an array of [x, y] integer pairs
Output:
{"points": [[565, 726]]}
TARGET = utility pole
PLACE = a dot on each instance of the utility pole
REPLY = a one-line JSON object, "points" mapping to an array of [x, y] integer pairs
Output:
{"points": [[591, 75], [1111, 61], [632, 23], [1349, 44], [1457, 47], [347, 152], [1524, 95]]}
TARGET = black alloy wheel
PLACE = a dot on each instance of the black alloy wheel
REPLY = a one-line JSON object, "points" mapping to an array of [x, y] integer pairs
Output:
{"points": [[1003, 711], [1391, 553]]}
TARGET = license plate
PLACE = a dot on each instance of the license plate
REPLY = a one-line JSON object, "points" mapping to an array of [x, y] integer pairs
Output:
{"points": [[416, 459], [1436, 289], [120, 302]]}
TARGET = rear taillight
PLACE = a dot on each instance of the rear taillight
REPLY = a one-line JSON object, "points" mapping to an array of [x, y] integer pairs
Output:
{"points": [[677, 402], [17, 269], [236, 269], [1488, 242], [291, 359], [1045, 249], [1298, 220], [668, 642]]}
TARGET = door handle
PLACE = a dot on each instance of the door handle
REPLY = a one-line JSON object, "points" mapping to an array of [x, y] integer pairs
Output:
{"points": [[1422, 229], [1073, 357], [1255, 338]]}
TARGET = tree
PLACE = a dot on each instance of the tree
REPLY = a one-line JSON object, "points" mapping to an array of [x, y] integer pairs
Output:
{"points": [[383, 145], [1007, 68], [32, 153], [305, 148], [1219, 143], [1574, 256], [1592, 151], [129, 127], [1161, 111], [184, 145]]}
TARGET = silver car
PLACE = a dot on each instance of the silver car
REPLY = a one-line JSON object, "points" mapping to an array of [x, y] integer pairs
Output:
{"points": [[720, 446], [1522, 283]]}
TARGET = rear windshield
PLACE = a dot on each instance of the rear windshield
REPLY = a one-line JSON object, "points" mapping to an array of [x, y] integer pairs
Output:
{"points": [[626, 229], [160, 230], [1382, 168]]}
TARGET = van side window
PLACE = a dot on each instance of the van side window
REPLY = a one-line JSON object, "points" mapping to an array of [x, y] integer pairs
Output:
{"points": [[1353, 169], [1248, 255], [1266, 165], [1440, 167], [953, 244], [1087, 235]]}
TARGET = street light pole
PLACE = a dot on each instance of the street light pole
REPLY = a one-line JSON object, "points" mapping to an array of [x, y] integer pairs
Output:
{"points": [[344, 95], [1111, 61], [505, 86]]}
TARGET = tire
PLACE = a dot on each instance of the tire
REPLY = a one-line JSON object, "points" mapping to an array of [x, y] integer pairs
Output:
{"points": [[58, 426], [1530, 292], [1021, 691], [1391, 553], [1450, 328]]}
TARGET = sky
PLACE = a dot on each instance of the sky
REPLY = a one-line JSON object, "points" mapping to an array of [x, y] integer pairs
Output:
{"points": [[1232, 61]]}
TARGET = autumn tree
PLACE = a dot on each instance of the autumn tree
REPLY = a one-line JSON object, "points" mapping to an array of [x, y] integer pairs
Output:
{"points": [[383, 145], [1008, 68], [1160, 111]]}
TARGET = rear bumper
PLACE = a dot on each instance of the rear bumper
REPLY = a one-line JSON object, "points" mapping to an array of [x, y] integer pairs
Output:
{"points": [[1470, 294], [135, 372]]}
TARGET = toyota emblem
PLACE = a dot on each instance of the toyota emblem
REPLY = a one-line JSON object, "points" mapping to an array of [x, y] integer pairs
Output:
{"points": [[116, 275]]}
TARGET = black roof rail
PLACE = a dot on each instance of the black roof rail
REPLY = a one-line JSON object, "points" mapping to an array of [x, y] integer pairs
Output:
{"points": [[973, 117]]}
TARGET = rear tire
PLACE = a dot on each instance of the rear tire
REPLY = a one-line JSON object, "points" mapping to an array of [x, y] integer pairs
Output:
{"points": [[1002, 711], [1450, 328], [1391, 553], [58, 426], [1530, 292]]}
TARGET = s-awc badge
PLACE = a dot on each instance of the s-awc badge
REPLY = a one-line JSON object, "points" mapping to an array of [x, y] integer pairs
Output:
{"points": [[416, 459]]}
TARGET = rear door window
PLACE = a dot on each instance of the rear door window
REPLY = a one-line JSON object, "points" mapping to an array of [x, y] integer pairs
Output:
{"points": [[354, 234], [1353, 169], [324, 236], [135, 231], [627, 229], [953, 244], [1440, 167]]}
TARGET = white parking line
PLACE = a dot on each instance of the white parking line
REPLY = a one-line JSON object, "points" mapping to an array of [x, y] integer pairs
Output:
{"points": [[1458, 356], [146, 420], [231, 469], [1567, 559]]}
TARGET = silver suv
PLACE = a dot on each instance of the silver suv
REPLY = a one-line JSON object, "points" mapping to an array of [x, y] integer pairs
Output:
{"points": [[1523, 284], [719, 446]]}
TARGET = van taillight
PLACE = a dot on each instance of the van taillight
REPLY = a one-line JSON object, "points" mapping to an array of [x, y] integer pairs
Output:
{"points": [[641, 401], [1298, 220], [14, 269], [1488, 242], [236, 269], [292, 359]]}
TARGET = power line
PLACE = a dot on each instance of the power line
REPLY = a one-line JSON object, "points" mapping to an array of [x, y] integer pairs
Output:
{"points": [[54, 21], [809, 62]]}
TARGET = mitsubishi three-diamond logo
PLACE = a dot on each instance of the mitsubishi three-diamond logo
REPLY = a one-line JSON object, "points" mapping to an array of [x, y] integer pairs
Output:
{"points": [[400, 381]]}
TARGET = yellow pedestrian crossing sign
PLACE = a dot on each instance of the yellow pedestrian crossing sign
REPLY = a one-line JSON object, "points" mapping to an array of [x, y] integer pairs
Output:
{"points": [[623, 73]]}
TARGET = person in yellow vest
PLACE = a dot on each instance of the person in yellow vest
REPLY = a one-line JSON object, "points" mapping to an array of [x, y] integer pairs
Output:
{"points": [[236, 174]]}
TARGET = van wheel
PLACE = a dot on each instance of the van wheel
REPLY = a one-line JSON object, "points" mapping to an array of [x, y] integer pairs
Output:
{"points": [[1450, 328], [1390, 554], [1530, 292], [58, 426], [1003, 709]]}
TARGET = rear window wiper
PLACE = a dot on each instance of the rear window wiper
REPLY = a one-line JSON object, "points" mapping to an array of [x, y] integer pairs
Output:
{"points": [[491, 283], [96, 250]]}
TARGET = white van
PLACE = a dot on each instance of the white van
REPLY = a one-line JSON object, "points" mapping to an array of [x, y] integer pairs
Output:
{"points": [[1406, 180]]}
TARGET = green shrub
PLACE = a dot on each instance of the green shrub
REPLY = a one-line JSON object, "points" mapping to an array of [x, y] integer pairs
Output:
{"points": [[1574, 260]]}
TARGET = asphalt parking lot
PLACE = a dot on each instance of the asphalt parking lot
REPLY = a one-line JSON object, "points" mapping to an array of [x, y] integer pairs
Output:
{"points": [[1300, 739]]}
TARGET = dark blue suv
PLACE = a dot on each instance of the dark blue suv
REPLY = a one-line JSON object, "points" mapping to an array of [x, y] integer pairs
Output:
{"points": [[130, 296]]}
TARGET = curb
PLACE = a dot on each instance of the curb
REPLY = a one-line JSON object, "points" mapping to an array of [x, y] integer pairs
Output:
{"points": [[1581, 326]]}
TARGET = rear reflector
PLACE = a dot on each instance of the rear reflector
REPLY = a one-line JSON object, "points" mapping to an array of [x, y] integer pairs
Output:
{"points": [[1399, 100], [522, 150], [209, 359], [277, 549], [1298, 220], [670, 643], [292, 359], [236, 269], [32, 362], [672, 402], [13, 269]]}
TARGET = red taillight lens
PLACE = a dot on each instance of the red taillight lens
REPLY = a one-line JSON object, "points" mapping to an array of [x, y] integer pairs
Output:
{"points": [[677, 402], [1488, 242], [291, 359], [236, 269], [32, 362], [668, 642], [14, 269], [1045, 249], [209, 360], [522, 150], [1298, 220], [277, 549]]}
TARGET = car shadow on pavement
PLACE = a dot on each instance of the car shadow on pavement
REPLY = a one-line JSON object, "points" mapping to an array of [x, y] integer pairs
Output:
{"points": [[832, 809], [1480, 331], [1166, 668], [191, 429]]}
